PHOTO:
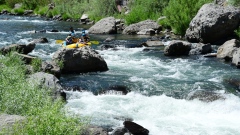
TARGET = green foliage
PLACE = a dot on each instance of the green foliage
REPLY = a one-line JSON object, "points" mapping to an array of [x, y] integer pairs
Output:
{"points": [[180, 12], [65, 16], [19, 11], [32, 4], [41, 10], [143, 10], [11, 3], [5, 7], [36, 64], [60, 64], [234, 2], [237, 32], [98, 10], [20, 97]]}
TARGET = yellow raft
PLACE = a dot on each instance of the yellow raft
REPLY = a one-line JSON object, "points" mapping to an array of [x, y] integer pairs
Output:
{"points": [[75, 45]]}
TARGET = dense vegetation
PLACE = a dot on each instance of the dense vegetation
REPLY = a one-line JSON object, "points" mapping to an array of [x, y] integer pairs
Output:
{"points": [[18, 96], [178, 12]]}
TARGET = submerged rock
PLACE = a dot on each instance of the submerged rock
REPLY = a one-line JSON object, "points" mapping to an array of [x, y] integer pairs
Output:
{"points": [[203, 95]]}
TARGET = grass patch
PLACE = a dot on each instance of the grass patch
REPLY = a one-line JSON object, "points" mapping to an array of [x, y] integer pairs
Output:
{"points": [[18, 96], [5, 7]]}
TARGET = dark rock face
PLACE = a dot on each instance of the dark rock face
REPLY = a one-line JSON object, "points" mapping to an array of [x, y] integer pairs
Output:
{"points": [[177, 48], [80, 60], [135, 128], [213, 23]]}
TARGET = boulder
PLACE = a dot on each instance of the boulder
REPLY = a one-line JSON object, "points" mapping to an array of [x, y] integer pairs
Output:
{"points": [[205, 96], [40, 40], [213, 23], [177, 48], [227, 50], [200, 48], [94, 130], [104, 26], [80, 60], [135, 128], [153, 43], [52, 68], [144, 25], [236, 58], [46, 80], [23, 49]]}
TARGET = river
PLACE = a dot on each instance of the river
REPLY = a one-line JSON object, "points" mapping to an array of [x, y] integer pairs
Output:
{"points": [[158, 84]]}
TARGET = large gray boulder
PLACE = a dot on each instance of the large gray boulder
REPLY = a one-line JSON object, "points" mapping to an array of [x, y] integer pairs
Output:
{"points": [[227, 50], [104, 26], [213, 23], [147, 25], [45, 80], [80, 60]]}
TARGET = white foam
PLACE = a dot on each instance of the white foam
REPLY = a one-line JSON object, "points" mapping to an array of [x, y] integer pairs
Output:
{"points": [[160, 114]]}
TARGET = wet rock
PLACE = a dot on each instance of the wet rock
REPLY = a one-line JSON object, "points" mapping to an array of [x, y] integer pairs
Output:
{"points": [[235, 82], [135, 129], [119, 131], [205, 96], [199, 48], [41, 40], [116, 90], [227, 50], [22, 49], [51, 67], [177, 48], [80, 60], [213, 23]]}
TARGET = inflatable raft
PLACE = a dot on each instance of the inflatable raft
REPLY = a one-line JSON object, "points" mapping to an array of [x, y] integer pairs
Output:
{"points": [[75, 45]]}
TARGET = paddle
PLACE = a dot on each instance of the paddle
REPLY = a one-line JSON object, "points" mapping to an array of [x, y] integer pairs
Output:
{"points": [[61, 41]]}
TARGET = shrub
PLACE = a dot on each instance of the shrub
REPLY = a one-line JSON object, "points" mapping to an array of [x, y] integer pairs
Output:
{"points": [[36, 64], [19, 11], [180, 12], [18, 96], [234, 2], [142, 10]]}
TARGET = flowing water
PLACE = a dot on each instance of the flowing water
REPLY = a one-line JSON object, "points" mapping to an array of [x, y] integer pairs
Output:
{"points": [[158, 84]]}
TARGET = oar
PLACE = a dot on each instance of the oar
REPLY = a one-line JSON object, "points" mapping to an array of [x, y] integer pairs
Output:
{"points": [[61, 41]]}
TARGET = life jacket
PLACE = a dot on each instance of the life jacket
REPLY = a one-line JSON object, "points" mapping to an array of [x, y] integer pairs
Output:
{"points": [[69, 40]]}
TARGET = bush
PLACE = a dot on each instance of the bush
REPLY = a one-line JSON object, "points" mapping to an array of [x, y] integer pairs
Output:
{"points": [[234, 2], [36, 64], [179, 13], [11, 3], [19, 11], [18, 96], [5, 7], [142, 10]]}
